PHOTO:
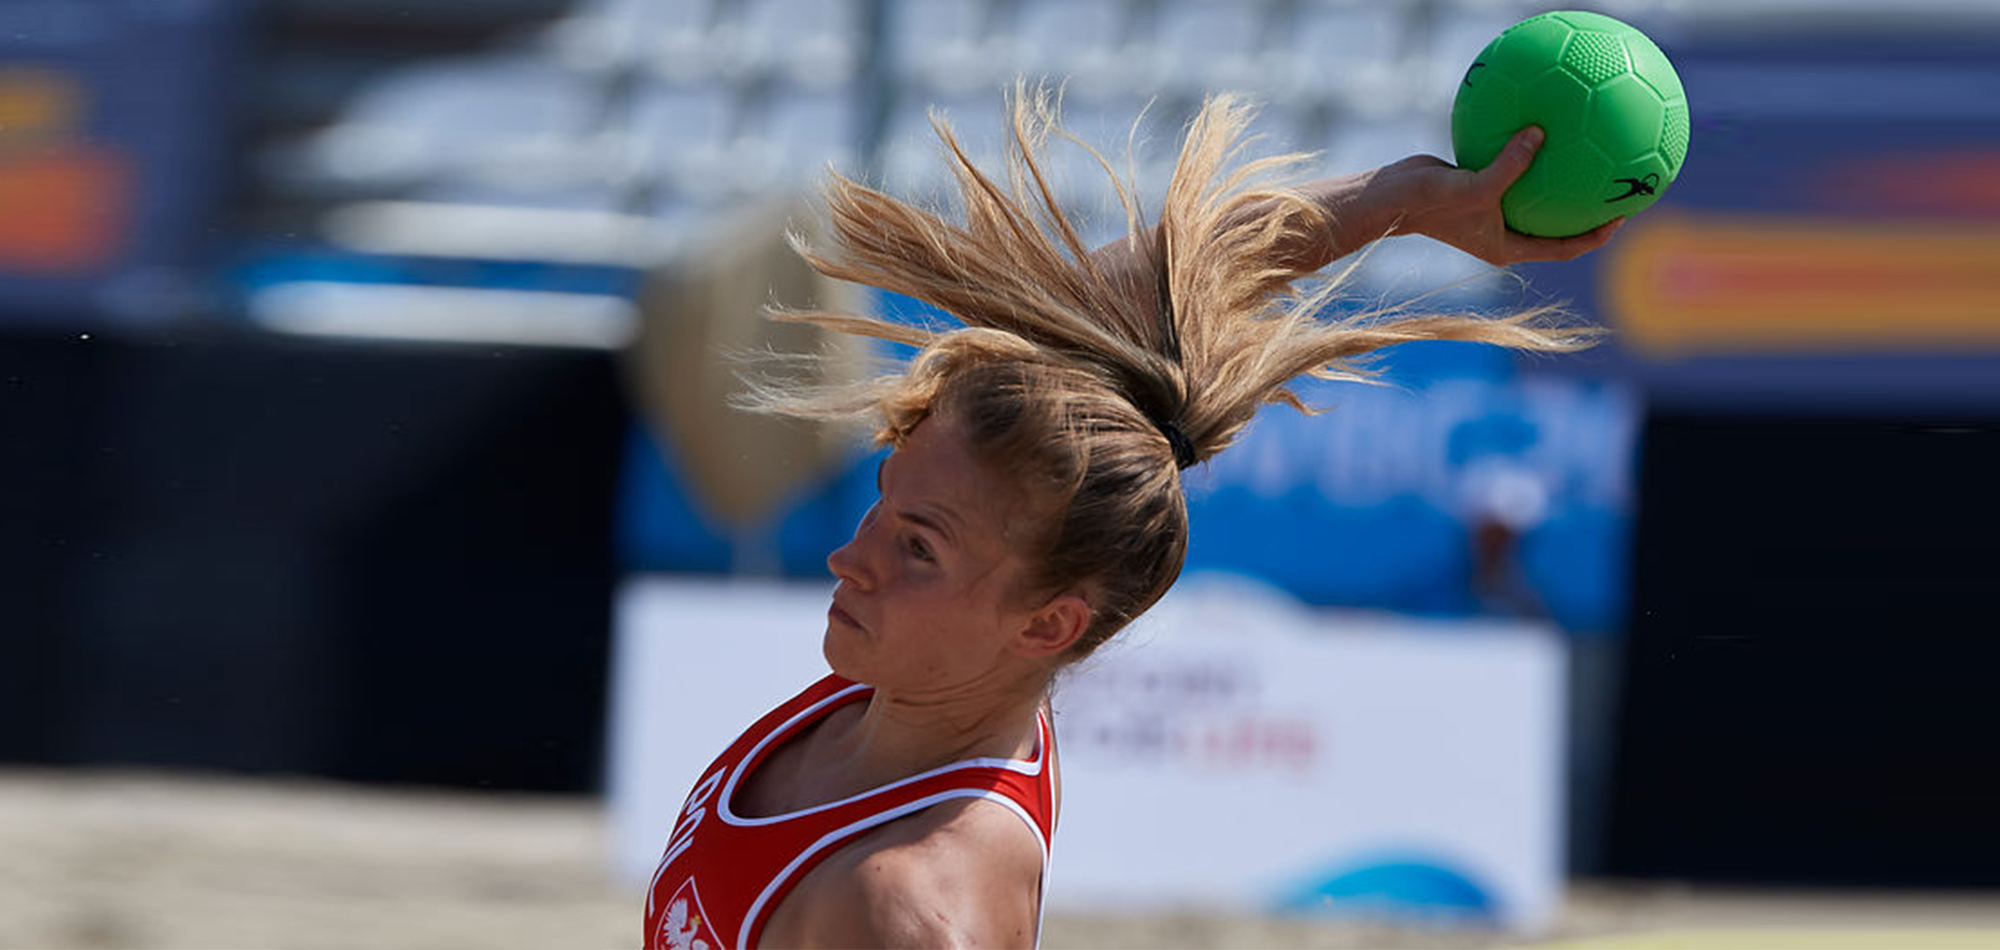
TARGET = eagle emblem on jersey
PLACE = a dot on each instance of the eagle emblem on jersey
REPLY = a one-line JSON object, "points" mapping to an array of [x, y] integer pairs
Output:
{"points": [[685, 925]]}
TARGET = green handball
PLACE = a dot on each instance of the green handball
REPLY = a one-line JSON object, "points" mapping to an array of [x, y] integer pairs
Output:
{"points": [[1613, 109]]}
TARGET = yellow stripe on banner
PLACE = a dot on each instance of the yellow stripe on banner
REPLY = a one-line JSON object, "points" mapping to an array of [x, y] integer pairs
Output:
{"points": [[1688, 284], [1787, 939]]}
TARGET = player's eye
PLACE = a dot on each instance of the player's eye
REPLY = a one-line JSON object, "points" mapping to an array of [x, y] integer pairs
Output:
{"points": [[918, 549]]}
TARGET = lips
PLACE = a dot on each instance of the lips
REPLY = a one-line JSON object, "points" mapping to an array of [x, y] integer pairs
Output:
{"points": [[837, 615]]}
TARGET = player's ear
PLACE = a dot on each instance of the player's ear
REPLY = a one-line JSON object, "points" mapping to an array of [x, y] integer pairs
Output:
{"points": [[1055, 627]]}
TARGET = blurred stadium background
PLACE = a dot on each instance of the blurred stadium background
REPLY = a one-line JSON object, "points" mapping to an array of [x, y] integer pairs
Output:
{"points": [[355, 355]]}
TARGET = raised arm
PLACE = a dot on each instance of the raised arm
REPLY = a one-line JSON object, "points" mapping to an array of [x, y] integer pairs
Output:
{"points": [[1422, 194]]}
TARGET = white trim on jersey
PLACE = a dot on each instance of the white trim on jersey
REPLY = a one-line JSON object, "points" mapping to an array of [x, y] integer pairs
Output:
{"points": [[736, 773]]}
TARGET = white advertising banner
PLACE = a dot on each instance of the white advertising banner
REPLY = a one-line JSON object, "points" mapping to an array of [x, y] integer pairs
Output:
{"points": [[1231, 751]]}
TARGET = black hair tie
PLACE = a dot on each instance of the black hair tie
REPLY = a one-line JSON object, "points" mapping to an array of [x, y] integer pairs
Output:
{"points": [[1183, 449]]}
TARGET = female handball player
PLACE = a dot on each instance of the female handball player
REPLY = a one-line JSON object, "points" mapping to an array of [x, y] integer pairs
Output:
{"points": [[1032, 506]]}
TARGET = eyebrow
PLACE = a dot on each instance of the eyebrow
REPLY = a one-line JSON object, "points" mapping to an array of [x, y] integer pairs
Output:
{"points": [[940, 524]]}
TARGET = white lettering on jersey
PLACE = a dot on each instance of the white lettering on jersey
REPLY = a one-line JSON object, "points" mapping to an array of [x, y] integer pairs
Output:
{"points": [[691, 816], [683, 835]]}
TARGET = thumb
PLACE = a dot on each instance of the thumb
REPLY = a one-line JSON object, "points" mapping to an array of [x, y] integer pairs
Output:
{"points": [[1513, 161]]}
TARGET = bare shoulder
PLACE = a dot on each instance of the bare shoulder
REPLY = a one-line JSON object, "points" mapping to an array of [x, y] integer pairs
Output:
{"points": [[963, 873]]}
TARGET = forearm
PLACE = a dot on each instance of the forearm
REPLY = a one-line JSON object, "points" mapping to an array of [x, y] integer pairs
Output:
{"points": [[1357, 209]]}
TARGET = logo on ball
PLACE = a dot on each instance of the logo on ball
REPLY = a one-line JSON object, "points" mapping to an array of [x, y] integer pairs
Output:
{"points": [[1635, 187]]}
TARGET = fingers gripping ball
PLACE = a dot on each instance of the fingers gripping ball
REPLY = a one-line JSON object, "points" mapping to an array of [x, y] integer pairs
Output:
{"points": [[1610, 102]]}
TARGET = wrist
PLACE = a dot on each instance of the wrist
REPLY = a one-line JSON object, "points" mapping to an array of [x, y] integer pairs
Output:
{"points": [[1397, 196], [1366, 206]]}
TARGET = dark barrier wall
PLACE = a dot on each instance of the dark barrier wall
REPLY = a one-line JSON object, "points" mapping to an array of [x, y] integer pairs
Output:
{"points": [[262, 553], [1811, 665]]}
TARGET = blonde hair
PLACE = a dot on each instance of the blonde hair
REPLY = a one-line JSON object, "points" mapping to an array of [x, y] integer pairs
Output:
{"points": [[1070, 376]]}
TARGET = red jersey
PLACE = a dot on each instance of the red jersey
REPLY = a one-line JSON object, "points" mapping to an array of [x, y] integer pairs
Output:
{"points": [[723, 873]]}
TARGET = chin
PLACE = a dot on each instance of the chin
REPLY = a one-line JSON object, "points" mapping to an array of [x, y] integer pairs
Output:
{"points": [[839, 656]]}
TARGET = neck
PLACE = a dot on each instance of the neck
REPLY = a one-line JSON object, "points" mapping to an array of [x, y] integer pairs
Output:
{"points": [[901, 734]]}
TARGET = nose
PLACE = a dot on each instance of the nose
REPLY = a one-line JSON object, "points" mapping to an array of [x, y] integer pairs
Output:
{"points": [[847, 561], [845, 564]]}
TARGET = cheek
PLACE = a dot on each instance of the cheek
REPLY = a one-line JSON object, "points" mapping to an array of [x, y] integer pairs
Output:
{"points": [[954, 616], [905, 592], [912, 600], [928, 620]]}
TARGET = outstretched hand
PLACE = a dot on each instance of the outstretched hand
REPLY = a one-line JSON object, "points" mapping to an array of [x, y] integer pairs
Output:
{"points": [[1462, 207]]}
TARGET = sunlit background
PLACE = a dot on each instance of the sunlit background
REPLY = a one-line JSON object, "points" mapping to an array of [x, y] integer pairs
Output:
{"points": [[379, 559]]}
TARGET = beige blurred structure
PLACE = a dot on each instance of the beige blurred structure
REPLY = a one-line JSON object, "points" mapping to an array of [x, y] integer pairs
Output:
{"points": [[704, 308], [107, 859]]}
